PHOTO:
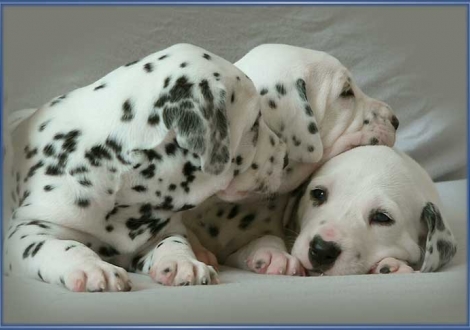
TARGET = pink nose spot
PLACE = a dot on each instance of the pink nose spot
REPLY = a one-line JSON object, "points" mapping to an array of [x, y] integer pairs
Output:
{"points": [[329, 233]]}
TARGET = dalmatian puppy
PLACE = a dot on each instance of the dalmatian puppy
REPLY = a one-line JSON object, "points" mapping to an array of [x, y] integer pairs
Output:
{"points": [[372, 209], [311, 101], [101, 174]]}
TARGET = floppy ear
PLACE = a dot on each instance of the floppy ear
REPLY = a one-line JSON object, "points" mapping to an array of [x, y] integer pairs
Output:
{"points": [[199, 120], [440, 242], [287, 111]]}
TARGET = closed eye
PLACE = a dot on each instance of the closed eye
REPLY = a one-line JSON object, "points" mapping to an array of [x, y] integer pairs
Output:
{"points": [[347, 92], [381, 218]]}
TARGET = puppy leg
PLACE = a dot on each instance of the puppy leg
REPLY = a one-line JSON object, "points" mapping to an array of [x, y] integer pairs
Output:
{"points": [[266, 255], [56, 254], [173, 262], [392, 266]]}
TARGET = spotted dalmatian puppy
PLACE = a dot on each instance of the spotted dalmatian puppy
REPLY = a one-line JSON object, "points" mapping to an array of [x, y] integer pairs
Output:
{"points": [[101, 174], [111, 172], [368, 210], [305, 92]]}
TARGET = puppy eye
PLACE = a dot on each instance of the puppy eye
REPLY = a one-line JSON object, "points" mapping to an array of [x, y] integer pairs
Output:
{"points": [[347, 92], [319, 195], [380, 218]]}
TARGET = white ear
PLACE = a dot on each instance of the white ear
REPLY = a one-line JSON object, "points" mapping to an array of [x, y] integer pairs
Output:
{"points": [[440, 242], [287, 111]]}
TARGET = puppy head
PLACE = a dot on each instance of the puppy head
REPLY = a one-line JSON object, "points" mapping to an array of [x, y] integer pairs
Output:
{"points": [[368, 204], [310, 100]]}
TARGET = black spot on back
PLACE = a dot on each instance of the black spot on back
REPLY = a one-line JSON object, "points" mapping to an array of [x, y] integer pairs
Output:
{"points": [[207, 56], [280, 89], [127, 111], [99, 87], [148, 67], [233, 212], [246, 221], [312, 128]]}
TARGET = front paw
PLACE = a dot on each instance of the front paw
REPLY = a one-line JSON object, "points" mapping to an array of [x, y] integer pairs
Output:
{"points": [[392, 266], [274, 262], [182, 271], [96, 276]]}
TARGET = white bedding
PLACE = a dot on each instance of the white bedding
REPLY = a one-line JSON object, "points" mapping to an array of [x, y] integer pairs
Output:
{"points": [[250, 298]]}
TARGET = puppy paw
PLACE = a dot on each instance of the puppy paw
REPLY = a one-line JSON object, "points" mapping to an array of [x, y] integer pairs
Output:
{"points": [[182, 271], [96, 276], [274, 262], [392, 266]]}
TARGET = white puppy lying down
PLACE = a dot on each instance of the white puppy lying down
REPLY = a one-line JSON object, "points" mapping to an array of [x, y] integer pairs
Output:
{"points": [[369, 210]]}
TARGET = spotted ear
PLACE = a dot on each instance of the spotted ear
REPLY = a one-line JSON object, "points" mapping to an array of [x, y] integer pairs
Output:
{"points": [[440, 245], [287, 112], [200, 123]]}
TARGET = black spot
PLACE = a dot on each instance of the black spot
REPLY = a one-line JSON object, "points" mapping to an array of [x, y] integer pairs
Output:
{"points": [[272, 141], [154, 119], [301, 89], [42, 127], [366, 122], [148, 67], [40, 276], [85, 182], [70, 247], [152, 155], [233, 212], [28, 250], [79, 170], [110, 191], [127, 111], [113, 145], [271, 159], [131, 63], [33, 169], [236, 172], [96, 154], [49, 150], [311, 148], [162, 57], [264, 91], [183, 65], [374, 141], [149, 172], [312, 128], [220, 213], [206, 56], [48, 188], [232, 98], [166, 82], [281, 89], [139, 188], [170, 149], [246, 221], [172, 187], [107, 251], [186, 207], [99, 87], [213, 231], [39, 246], [216, 74], [181, 89], [109, 228], [272, 104], [239, 160], [82, 202], [254, 166], [308, 110], [296, 141]]}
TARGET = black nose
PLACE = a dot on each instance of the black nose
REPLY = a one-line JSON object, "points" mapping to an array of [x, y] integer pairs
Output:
{"points": [[323, 253], [395, 122]]}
